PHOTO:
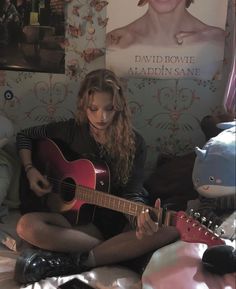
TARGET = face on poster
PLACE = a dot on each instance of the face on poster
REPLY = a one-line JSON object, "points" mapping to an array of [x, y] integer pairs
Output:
{"points": [[166, 39]]}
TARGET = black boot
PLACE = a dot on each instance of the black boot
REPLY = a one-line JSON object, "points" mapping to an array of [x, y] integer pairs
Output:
{"points": [[220, 259], [34, 265]]}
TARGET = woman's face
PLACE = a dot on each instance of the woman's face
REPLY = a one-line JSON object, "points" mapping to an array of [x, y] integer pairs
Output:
{"points": [[165, 6], [100, 111]]}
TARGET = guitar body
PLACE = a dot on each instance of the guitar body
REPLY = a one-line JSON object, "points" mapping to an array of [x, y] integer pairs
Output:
{"points": [[68, 174], [64, 175]]}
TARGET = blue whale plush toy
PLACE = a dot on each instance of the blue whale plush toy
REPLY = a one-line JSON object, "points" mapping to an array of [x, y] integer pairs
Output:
{"points": [[214, 168]]}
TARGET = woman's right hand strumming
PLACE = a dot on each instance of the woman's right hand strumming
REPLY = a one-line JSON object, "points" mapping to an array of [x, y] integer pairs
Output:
{"points": [[38, 183]]}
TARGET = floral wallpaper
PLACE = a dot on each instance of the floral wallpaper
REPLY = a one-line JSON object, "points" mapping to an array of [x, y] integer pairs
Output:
{"points": [[166, 112]]}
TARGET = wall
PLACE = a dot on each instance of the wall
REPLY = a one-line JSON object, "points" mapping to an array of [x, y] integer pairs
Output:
{"points": [[166, 112]]}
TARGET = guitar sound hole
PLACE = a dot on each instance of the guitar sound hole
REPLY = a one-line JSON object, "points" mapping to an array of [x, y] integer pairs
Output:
{"points": [[68, 189]]}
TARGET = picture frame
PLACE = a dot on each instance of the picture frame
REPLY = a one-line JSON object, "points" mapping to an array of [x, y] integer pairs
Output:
{"points": [[32, 35]]}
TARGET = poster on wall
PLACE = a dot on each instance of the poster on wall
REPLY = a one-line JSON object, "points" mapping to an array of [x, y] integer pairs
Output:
{"points": [[166, 38], [32, 35]]}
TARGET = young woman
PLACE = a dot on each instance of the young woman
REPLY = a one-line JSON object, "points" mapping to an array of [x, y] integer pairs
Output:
{"points": [[102, 128]]}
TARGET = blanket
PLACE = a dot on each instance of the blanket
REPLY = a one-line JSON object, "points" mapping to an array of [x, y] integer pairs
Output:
{"points": [[177, 265]]}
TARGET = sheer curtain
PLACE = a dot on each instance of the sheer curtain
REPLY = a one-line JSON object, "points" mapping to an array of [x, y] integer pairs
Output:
{"points": [[230, 91]]}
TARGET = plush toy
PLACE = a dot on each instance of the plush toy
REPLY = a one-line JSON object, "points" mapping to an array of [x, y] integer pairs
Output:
{"points": [[9, 168], [213, 177], [214, 168]]}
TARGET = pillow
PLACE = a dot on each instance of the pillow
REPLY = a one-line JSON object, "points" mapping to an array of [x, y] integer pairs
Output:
{"points": [[171, 181], [6, 130], [9, 176], [4, 181], [209, 124]]}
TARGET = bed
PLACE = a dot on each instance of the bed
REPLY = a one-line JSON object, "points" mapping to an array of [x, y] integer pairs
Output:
{"points": [[177, 266]]}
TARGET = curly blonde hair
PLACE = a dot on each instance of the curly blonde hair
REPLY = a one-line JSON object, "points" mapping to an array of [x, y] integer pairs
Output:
{"points": [[120, 144]]}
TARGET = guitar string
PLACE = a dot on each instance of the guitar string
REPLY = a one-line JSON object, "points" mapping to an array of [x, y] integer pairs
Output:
{"points": [[126, 203], [129, 207], [122, 205], [87, 189]]}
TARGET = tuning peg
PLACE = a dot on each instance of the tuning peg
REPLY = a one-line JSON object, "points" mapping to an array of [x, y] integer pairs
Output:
{"points": [[216, 227], [219, 230], [196, 215], [209, 224], [191, 212], [222, 231], [203, 220]]}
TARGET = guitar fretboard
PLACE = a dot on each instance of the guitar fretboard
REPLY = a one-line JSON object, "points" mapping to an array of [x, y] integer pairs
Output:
{"points": [[118, 204]]}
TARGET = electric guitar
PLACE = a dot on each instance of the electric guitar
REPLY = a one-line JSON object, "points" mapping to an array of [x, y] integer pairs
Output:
{"points": [[82, 181]]}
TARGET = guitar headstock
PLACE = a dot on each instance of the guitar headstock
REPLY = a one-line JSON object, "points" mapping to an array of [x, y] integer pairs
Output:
{"points": [[192, 231]]}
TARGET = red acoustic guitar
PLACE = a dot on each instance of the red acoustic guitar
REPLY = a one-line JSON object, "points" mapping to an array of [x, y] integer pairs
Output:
{"points": [[82, 181]]}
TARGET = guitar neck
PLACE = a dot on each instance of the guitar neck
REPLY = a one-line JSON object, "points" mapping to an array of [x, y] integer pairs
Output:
{"points": [[122, 205]]}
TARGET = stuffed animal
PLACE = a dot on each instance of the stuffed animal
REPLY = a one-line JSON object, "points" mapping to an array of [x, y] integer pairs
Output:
{"points": [[213, 177], [214, 168]]}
